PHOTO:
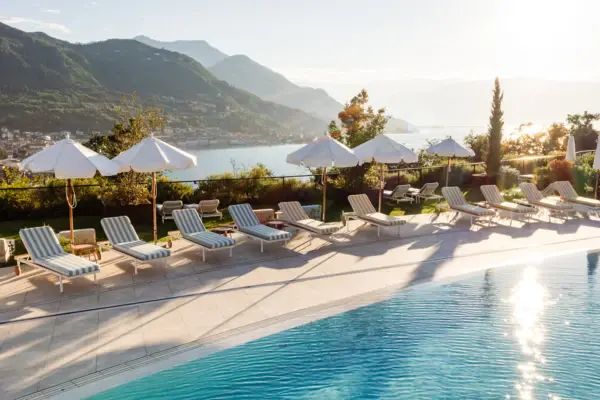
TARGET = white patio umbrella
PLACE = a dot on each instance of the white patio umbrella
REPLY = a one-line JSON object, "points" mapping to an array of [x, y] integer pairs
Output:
{"points": [[596, 166], [571, 156], [449, 148], [323, 152], [152, 155], [385, 150], [67, 159]]}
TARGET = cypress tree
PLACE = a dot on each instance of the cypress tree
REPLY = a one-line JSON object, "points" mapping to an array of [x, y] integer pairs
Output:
{"points": [[494, 155]]}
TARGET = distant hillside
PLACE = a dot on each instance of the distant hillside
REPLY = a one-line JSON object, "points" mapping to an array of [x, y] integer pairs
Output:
{"points": [[48, 84], [199, 50]]}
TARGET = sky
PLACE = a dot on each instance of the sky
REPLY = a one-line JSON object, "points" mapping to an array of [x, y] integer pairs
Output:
{"points": [[345, 41]]}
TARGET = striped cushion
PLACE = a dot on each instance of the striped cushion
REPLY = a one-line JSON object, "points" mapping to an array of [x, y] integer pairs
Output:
{"points": [[318, 227], [119, 230], [453, 196], [585, 201], [398, 192], [473, 210], [383, 219], [492, 194], [531, 193], [41, 242], [514, 207], [265, 232], [188, 221], [566, 190], [361, 204], [243, 215], [209, 240], [142, 251], [429, 188], [68, 265], [553, 204], [293, 211], [208, 206]]}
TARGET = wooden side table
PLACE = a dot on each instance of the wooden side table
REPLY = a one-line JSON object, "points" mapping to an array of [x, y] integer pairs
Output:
{"points": [[225, 230], [277, 224], [87, 249]]}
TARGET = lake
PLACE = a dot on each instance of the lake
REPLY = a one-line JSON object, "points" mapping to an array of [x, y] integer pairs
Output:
{"points": [[217, 161]]}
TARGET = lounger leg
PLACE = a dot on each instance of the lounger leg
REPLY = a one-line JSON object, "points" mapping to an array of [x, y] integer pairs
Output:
{"points": [[231, 252], [261, 246], [203, 255], [378, 229], [135, 263], [60, 283], [95, 282]]}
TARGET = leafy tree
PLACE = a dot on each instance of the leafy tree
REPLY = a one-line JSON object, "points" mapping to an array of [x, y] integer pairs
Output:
{"points": [[3, 153], [479, 143], [494, 155], [557, 138], [581, 127]]}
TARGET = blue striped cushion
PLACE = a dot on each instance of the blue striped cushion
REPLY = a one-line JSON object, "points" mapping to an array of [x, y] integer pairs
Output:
{"points": [[209, 240], [119, 230], [243, 215], [41, 242], [68, 265], [188, 221], [142, 250], [265, 232], [383, 219]]}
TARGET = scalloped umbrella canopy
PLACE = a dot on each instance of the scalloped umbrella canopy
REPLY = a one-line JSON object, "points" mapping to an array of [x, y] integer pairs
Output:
{"points": [[449, 148], [324, 152], [571, 156], [385, 150], [152, 155], [67, 159]]}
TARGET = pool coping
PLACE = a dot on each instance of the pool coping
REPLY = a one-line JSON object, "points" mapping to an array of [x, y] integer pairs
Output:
{"points": [[106, 379]]}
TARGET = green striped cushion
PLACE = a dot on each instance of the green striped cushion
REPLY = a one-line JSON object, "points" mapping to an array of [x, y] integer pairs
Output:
{"points": [[318, 227], [492, 194], [188, 221], [566, 190], [243, 216], [453, 196], [429, 188], [361, 204], [119, 230], [209, 240], [41, 242], [142, 251], [293, 211], [383, 219], [68, 265], [265, 232], [531, 193]]}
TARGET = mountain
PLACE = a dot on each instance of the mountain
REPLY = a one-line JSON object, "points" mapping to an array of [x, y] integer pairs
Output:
{"points": [[199, 50], [244, 73], [49, 84]]}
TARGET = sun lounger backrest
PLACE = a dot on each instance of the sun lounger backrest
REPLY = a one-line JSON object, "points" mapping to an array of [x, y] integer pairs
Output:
{"points": [[453, 196], [293, 211], [566, 190], [169, 206], [400, 191], [492, 194], [361, 204], [243, 215], [188, 221], [208, 206], [119, 230], [429, 188], [41, 242], [531, 193]]}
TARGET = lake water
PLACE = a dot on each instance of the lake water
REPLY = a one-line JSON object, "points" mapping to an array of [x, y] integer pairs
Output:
{"points": [[218, 161]]}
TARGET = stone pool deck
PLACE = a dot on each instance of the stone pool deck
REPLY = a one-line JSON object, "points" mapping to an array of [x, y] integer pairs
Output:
{"points": [[90, 337]]}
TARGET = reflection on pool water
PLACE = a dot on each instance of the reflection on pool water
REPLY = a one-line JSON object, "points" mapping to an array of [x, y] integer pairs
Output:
{"points": [[528, 332]]}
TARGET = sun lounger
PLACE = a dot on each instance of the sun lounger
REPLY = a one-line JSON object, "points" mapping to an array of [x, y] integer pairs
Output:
{"points": [[295, 215], [568, 193], [457, 202], [399, 194], [495, 199], [124, 239], [192, 229], [46, 253], [166, 209], [247, 223], [209, 209], [426, 192], [365, 211], [536, 199]]}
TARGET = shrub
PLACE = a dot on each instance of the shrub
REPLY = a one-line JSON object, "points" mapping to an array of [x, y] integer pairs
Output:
{"points": [[508, 177], [556, 170]]}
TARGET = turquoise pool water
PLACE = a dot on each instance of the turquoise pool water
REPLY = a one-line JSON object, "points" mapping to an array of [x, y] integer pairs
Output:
{"points": [[529, 332]]}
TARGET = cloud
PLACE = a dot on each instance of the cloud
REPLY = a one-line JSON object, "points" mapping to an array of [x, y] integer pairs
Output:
{"points": [[51, 11], [35, 24]]}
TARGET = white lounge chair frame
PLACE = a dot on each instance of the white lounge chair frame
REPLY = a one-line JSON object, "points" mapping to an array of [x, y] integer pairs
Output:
{"points": [[430, 188], [361, 205], [451, 193], [529, 190], [493, 198], [399, 194], [232, 211], [299, 214], [204, 248]]}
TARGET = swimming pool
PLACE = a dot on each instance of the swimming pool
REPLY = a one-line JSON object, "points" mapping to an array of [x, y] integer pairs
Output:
{"points": [[527, 332]]}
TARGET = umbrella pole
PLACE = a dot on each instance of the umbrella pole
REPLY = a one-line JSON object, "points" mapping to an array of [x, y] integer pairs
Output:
{"points": [[448, 171], [381, 188], [154, 231], [324, 192], [70, 204], [596, 188]]}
